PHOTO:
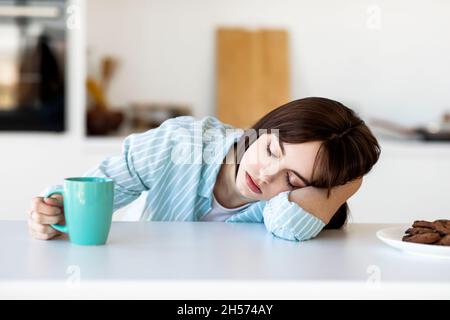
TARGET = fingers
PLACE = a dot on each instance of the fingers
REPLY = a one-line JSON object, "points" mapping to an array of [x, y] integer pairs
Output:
{"points": [[48, 206], [40, 218], [42, 213], [43, 236], [41, 232], [55, 200]]}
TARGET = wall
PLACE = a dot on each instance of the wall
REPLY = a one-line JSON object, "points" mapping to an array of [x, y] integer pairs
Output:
{"points": [[410, 182], [396, 66]]}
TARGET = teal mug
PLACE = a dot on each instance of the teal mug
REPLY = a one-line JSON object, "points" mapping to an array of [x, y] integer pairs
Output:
{"points": [[88, 209]]}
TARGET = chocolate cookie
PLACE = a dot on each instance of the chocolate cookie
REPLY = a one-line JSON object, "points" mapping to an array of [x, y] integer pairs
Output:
{"points": [[422, 224], [442, 226], [418, 230], [426, 238], [445, 241]]}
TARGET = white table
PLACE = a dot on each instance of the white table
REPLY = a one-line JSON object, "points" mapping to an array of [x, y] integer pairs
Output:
{"points": [[204, 260]]}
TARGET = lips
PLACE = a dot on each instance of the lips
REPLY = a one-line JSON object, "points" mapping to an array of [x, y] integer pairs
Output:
{"points": [[251, 184]]}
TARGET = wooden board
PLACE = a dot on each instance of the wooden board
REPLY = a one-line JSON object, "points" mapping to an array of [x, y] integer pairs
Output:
{"points": [[252, 74]]}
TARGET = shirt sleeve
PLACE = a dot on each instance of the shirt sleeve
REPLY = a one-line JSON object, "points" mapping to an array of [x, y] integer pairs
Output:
{"points": [[142, 160], [287, 220]]}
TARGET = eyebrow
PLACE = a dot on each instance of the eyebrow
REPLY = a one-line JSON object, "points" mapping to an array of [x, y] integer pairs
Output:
{"points": [[295, 172]]}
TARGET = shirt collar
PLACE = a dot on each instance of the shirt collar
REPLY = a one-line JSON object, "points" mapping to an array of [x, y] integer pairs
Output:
{"points": [[214, 151]]}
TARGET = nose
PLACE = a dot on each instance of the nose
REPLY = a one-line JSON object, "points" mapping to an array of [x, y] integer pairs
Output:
{"points": [[266, 174]]}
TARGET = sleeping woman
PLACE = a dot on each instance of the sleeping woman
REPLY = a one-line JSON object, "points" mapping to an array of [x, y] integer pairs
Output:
{"points": [[293, 170]]}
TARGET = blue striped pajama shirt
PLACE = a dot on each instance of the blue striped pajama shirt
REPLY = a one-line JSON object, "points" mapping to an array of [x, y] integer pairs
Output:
{"points": [[178, 163]]}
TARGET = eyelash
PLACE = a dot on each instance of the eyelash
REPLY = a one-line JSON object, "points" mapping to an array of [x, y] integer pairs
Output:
{"points": [[268, 150], [288, 182], [287, 173]]}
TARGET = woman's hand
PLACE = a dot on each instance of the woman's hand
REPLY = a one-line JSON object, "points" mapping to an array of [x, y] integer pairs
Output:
{"points": [[44, 212]]}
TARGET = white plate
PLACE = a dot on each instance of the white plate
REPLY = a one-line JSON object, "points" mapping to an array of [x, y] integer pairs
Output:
{"points": [[393, 237]]}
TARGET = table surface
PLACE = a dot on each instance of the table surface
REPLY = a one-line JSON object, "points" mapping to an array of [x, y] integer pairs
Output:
{"points": [[215, 250]]}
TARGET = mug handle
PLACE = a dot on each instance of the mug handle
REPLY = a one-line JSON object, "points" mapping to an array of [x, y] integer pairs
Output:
{"points": [[59, 227]]}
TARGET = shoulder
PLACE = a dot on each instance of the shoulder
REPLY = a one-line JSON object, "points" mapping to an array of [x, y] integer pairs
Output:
{"points": [[181, 137], [206, 131], [189, 125], [192, 123], [168, 130]]}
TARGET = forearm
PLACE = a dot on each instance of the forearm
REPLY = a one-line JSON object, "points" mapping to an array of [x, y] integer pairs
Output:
{"points": [[315, 200]]}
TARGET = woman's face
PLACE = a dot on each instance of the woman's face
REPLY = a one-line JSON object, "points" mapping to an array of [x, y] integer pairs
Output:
{"points": [[270, 169]]}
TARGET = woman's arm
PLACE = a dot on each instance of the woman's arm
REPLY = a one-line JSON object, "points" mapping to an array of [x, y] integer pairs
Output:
{"points": [[141, 161], [315, 201]]}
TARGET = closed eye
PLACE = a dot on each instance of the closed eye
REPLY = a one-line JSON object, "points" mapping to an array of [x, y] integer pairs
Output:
{"points": [[290, 185], [288, 182], [269, 152]]}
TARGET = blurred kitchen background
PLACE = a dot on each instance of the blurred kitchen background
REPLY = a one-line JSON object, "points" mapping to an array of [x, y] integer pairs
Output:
{"points": [[77, 76]]}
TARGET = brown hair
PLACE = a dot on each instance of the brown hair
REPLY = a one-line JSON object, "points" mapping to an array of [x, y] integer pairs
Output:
{"points": [[348, 151]]}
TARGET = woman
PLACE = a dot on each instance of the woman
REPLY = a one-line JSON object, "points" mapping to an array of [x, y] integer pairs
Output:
{"points": [[293, 171]]}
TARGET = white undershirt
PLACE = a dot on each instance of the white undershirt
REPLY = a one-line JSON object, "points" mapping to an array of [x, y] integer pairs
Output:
{"points": [[219, 212]]}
